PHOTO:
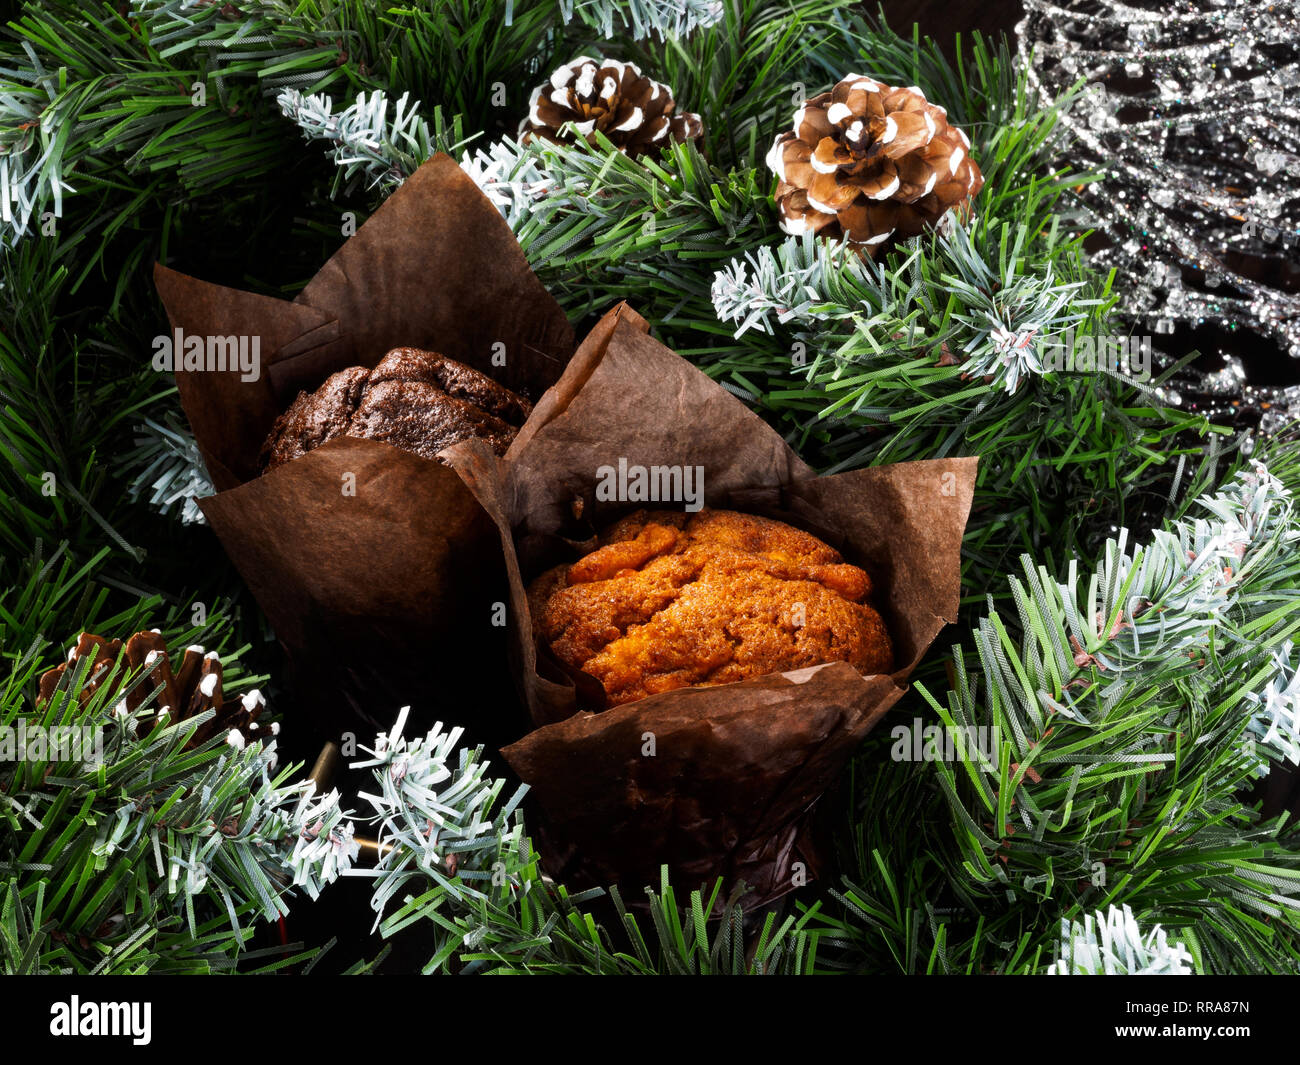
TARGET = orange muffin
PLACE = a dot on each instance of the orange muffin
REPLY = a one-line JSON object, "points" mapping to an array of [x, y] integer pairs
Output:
{"points": [[675, 600]]}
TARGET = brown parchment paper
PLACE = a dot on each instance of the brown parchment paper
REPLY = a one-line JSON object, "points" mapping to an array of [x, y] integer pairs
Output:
{"points": [[736, 770], [363, 589]]}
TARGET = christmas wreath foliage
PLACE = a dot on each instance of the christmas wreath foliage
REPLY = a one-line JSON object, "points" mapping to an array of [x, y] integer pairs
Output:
{"points": [[1131, 581]]}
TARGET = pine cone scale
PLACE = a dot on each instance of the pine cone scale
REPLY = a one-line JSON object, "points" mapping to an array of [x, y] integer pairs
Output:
{"points": [[148, 649], [813, 126]]}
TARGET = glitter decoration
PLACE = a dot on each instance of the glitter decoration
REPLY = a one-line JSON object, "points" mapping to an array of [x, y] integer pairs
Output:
{"points": [[1190, 112]]}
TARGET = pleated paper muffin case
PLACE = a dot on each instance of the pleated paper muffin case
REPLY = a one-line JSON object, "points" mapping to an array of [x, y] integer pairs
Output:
{"points": [[370, 562], [719, 781]]}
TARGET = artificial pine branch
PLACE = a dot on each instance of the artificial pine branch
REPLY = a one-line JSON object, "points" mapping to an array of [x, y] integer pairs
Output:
{"points": [[171, 472], [801, 279], [454, 861], [1275, 719], [438, 820], [1120, 708], [366, 142], [911, 901], [668, 19], [1001, 320], [102, 82], [139, 838], [1113, 944]]}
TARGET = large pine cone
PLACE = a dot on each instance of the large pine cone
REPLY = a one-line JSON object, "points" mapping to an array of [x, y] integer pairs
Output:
{"points": [[194, 688], [866, 162], [633, 111]]}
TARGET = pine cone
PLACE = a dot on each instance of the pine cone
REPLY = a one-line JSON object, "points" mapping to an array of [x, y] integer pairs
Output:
{"points": [[193, 689], [866, 162], [633, 111]]}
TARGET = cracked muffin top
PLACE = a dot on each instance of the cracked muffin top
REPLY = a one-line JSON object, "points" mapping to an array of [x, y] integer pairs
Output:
{"points": [[416, 400], [673, 600]]}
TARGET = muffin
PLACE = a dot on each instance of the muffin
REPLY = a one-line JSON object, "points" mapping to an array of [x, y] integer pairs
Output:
{"points": [[673, 600], [415, 400]]}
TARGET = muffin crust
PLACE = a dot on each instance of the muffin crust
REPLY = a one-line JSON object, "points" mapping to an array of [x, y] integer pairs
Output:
{"points": [[671, 600]]}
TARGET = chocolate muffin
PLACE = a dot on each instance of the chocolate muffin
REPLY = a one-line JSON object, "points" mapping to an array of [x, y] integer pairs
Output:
{"points": [[674, 600], [416, 400]]}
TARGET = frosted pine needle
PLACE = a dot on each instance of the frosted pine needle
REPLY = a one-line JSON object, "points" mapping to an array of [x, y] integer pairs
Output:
{"points": [[1275, 722], [513, 177], [1113, 944], [791, 281], [667, 19], [171, 472], [436, 814], [365, 142]]}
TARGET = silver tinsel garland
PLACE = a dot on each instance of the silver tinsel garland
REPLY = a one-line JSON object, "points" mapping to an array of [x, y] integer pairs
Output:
{"points": [[1190, 112]]}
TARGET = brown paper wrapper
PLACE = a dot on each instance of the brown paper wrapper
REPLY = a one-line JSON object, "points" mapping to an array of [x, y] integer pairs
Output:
{"points": [[737, 769], [363, 588]]}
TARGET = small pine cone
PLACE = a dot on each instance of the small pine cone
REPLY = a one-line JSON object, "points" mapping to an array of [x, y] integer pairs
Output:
{"points": [[866, 162], [192, 689], [633, 111]]}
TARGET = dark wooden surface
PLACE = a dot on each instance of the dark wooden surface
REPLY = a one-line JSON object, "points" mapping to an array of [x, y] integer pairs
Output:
{"points": [[942, 19]]}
